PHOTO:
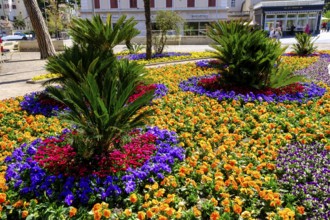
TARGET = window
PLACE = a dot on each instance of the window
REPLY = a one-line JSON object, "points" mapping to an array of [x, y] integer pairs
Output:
{"points": [[212, 3], [133, 3], [97, 3], [0, 6], [152, 3], [195, 28], [13, 6], [113, 3], [232, 3], [191, 3], [169, 4]]}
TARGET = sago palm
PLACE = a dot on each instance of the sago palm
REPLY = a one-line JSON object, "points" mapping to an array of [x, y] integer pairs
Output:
{"points": [[91, 39], [247, 55], [102, 36], [304, 45], [100, 110]]}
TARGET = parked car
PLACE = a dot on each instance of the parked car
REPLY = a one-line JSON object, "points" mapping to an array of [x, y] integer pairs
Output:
{"points": [[14, 38]]}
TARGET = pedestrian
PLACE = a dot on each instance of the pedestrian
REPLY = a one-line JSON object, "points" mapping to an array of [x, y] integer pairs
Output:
{"points": [[324, 26], [328, 26], [272, 33], [307, 29], [292, 29], [278, 33]]}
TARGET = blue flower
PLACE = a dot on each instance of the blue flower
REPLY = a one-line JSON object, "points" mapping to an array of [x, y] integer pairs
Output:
{"points": [[25, 175], [69, 199], [311, 91]]}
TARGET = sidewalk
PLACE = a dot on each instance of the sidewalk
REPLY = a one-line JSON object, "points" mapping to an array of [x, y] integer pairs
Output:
{"points": [[25, 65]]}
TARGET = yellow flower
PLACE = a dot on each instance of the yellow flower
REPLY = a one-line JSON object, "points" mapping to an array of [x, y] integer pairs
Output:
{"points": [[150, 214], [154, 186], [133, 198], [128, 212], [25, 213], [72, 211], [160, 193], [3, 197], [246, 214], [161, 217], [214, 201], [141, 215], [301, 210], [215, 215], [237, 209], [106, 213], [196, 212]]}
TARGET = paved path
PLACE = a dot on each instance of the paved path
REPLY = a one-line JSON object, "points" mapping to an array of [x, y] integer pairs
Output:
{"points": [[23, 66]]}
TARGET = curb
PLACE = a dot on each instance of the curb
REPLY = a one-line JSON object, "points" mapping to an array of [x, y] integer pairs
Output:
{"points": [[30, 81]]}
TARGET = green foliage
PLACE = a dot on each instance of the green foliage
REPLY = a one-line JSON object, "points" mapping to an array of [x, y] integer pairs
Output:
{"points": [[248, 55], [101, 36], [326, 8], [165, 21], [327, 14], [96, 86], [304, 45], [136, 48], [75, 62], [99, 109], [283, 77], [56, 22], [19, 23]]}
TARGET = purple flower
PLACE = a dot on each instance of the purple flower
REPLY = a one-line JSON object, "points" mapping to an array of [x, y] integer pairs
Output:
{"points": [[40, 103], [143, 56], [311, 91], [303, 170], [25, 175], [69, 199]]}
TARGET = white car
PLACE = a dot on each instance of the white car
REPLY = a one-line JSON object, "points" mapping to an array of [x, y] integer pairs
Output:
{"points": [[14, 38]]}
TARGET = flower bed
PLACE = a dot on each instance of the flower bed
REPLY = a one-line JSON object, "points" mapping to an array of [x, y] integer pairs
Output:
{"points": [[143, 56], [31, 172], [304, 171], [318, 71], [40, 103], [166, 57], [232, 150], [302, 93]]}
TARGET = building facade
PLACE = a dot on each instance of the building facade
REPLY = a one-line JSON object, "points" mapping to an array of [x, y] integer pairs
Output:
{"points": [[10, 10], [290, 15], [196, 13]]}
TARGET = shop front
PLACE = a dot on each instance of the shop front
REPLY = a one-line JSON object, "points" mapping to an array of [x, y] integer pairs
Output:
{"points": [[290, 19]]}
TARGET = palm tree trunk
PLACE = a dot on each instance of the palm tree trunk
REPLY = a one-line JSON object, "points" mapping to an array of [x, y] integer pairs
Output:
{"points": [[148, 28], [38, 23]]}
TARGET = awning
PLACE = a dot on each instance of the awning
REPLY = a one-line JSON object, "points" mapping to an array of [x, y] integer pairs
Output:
{"points": [[291, 12]]}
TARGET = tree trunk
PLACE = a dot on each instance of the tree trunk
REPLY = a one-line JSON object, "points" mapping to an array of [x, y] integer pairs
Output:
{"points": [[148, 28], [38, 23]]}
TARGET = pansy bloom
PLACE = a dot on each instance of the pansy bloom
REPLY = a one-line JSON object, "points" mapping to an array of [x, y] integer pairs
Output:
{"points": [[310, 91], [30, 178]]}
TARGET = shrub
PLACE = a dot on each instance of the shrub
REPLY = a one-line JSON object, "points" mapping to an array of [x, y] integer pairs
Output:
{"points": [[96, 86], [305, 44], [249, 58]]}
